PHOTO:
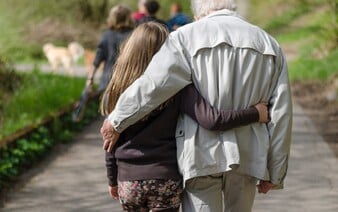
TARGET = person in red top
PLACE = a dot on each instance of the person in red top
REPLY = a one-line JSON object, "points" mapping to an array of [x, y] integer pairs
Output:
{"points": [[142, 168], [141, 13]]}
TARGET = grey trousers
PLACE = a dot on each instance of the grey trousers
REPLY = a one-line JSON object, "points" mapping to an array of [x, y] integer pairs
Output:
{"points": [[228, 192]]}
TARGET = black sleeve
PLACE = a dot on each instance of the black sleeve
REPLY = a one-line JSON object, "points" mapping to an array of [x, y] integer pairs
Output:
{"points": [[101, 51], [111, 168], [194, 105]]}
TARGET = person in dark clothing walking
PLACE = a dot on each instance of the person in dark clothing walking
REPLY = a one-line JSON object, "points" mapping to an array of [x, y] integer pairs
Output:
{"points": [[142, 168], [120, 24]]}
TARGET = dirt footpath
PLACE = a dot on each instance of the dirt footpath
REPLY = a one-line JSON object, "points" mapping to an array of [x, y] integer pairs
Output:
{"points": [[75, 179]]}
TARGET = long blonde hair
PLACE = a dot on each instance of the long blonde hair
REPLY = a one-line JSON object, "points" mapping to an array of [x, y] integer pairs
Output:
{"points": [[135, 55]]}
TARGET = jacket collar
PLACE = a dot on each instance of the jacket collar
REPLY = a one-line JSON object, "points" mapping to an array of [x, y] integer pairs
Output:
{"points": [[225, 12]]}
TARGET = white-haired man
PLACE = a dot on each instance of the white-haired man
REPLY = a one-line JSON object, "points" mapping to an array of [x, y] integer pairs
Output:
{"points": [[234, 65]]}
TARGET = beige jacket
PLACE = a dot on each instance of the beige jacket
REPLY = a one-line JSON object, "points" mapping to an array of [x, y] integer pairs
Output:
{"points": [[234, 65]]}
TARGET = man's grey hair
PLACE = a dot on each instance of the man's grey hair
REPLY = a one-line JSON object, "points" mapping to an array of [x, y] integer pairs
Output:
{"points": [[202, 8]]}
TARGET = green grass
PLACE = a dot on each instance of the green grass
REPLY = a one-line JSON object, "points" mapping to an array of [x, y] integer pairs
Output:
{"points": [[12, 37], [286, 18], [40, 95], [314, 69], [9, 37], [309, 28], [298, 34]]}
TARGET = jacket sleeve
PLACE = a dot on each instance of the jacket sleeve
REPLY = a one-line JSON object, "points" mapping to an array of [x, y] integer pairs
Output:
{"points": [[111, 168], [168, 72], [101, 51], [280, 125], [194, 105]]}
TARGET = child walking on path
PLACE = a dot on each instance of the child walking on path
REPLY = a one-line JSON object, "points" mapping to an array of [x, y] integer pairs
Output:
{"points": [[120, 24], [142, 167]]}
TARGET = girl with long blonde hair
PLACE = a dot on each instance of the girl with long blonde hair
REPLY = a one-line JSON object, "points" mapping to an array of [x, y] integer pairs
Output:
{"points": [[134, 58], [142, 168]]}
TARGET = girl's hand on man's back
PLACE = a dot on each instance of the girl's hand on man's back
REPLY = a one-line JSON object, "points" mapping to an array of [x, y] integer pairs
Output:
{"points": [[262, 108]]}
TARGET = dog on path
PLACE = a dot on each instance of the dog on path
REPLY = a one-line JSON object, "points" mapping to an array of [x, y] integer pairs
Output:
{"points": [[63, 56]]}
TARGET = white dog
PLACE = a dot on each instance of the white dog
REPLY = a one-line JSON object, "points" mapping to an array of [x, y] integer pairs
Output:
{"points": [[65, 56]]}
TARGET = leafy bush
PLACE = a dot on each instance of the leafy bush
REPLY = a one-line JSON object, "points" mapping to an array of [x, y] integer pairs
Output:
{"points": [[27, 99], [9, 80], [26, 152], [30, 149]]}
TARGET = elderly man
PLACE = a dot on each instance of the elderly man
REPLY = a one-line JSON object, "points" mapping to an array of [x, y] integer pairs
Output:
{"points": [[234, 65]]}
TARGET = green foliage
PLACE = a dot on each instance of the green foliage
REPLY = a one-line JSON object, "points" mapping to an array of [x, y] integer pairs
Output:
{"points": [[9, 80], [280, 22], [317, 52], [26, 151], [312, 69], [30, 149], [39, 96], [27, 26], [298, 34], [306, 27], [35, 96]]}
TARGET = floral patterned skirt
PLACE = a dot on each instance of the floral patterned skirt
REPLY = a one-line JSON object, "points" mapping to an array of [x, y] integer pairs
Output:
{"points": [[154, 195]]}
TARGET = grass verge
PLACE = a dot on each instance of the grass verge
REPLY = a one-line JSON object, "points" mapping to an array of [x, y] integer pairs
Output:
{"points": [[34, 117], [39, 95], [308, 29], [31, 148]]}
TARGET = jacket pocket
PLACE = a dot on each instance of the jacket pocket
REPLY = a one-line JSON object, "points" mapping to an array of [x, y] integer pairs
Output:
{"points": [[179, 134]]}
